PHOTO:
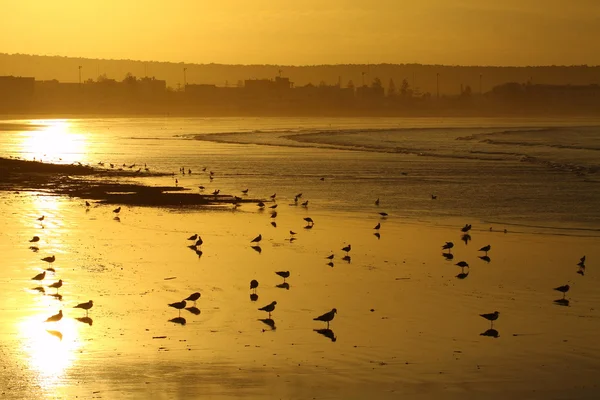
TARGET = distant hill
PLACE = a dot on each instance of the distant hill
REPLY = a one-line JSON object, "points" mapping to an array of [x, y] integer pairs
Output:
{"points": [[422, 77]]}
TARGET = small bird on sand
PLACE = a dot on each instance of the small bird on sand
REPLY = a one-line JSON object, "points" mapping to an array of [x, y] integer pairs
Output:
{"points": [[180, 305], [330, 257], [34, 239], [274, 214], [462, 264], [383, 214], [309, 220], [87, 204], [256, 239], [273, 206], [56, 317], [199, 242], [117, 210], [292, 233], [85, 306], [327, 317], [41, 218], [491, 317], [466, 228], [448, 246], [377, 226], [193, 297], [50, 259], [347, 248], [193, 237], [57, 285], [269, 308], [273, 196], [283, 274], [245, 191], [433, 197], [563, 289], [39, 277], [305, 204], [260, 204], [486, 249], [377, 202], [253, 285], [216, 192]]}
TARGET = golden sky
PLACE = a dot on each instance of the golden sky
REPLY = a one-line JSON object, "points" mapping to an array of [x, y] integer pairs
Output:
{"points": [[465, 32]]}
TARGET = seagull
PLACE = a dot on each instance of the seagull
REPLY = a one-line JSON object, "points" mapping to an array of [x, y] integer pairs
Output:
{"points": [[117, 210], [41, 218], [87, 203], [299, 195], [462, 264], [56, 317], [433, 197], [201, 187], [466, 228], [269, 308], [57, 285], [347, 248], [383, 214], [330, 257], [49, 259], [39, 277], [563, 289], [273, 196], [491, 317], [309, 221], [274, 214], [180, 305], [283, 274], [193, 237], [245, 191], [34, 239], [256, 239], [273, 224], [85, 306], [193, 297], [273, 206], [448, 246], [305, 204], [330, 263], [253, 285], [327, 317], [486, 249], [292, 233], [199, 242], [377, 226], [377, 202], [216, 192], [261, 204]]}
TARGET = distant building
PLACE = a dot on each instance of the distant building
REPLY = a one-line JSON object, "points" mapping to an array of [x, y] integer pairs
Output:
{"points": [[16, 92]]}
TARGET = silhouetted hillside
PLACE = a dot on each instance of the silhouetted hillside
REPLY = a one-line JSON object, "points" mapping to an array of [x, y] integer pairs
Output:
{"points": [[421, 77]]}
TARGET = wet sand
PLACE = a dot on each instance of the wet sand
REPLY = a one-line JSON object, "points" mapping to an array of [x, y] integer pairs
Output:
{"points": [[406, 326]]}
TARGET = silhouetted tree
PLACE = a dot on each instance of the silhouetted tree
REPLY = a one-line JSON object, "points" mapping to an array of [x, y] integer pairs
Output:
{"points": [[391, 88], [404, 89], [129, 78], [102, 78], [376, 83]]}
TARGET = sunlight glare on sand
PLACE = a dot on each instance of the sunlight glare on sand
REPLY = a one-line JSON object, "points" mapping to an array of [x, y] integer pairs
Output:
{"points": [[54, 142], [48, 353]]}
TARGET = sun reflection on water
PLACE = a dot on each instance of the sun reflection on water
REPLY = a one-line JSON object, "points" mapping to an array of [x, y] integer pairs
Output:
{"points": [[51, 348], [55, 142]]}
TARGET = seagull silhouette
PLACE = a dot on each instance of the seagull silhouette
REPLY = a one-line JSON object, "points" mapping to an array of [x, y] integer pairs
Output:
{"points": [[448, 246], [34, 239], [253, 285], [193, 237], [347, 248], [57, 285], [563, 289], [117, 210], [39, 277], [377, 226], [180, 305], [486, 249], [193, 297], [256, 239], [85, 306], [327, 317], [269, 308], [49, 259], [283, 274], [491, 317]]}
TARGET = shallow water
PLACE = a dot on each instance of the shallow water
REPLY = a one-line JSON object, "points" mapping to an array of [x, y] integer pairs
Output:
{"points": [[422, 337]]}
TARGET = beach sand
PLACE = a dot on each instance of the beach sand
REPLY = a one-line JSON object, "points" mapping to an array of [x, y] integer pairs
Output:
{"points": [[406, 326]]}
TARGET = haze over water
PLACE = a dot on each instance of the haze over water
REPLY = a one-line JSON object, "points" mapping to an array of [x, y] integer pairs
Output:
{"points": [[407, 324]]}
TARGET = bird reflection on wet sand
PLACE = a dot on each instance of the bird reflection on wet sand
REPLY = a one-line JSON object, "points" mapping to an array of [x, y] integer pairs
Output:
{"points": [[328, 333], [85, 320], [56, 334], [194, 310], [448, 256], [485, 258], [491, 333], [562, 302], [178, 320], [377, 235], [253, 297], [348, 259], [269, 322], [462, 275], [57, 296], [465, 238], [283, 285], [256, 249]]}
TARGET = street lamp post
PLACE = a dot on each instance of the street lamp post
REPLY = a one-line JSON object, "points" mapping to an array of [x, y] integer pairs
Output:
{"points": [[80, 74], [184, 78]]}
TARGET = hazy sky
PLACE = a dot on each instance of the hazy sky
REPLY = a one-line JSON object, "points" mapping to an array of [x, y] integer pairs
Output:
{"points": [[482, 32]]}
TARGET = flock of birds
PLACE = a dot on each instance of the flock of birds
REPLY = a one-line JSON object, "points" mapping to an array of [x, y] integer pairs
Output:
{"points": [[466, 237], [41, 277]]}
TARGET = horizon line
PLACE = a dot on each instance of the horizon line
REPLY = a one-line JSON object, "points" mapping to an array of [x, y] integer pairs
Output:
{"points": [[306, 65]]}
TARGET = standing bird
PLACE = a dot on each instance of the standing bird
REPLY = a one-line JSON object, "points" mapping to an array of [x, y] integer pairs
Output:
{"points": [[462, 264], [563, 289], [49, 260], [273, 206], [57, 285], [347, 248], [269, 308], [330, 257], [466, 228], [292, 233], [309, 221], [41, 218], [85, 306], [377, 202], [193, 297], [253, 285], [39, 277], [273, 196], [256, 239], [193, 237], [56, 317], [199, 242], [448, 246], [283, 274], [117, 210], [433, 197], [327, 317], [180, 305], [486, 249], [383, 214], [491, 317], [34, 239], [245, 191], [377, 226], [260, 204], [274, 214]]}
